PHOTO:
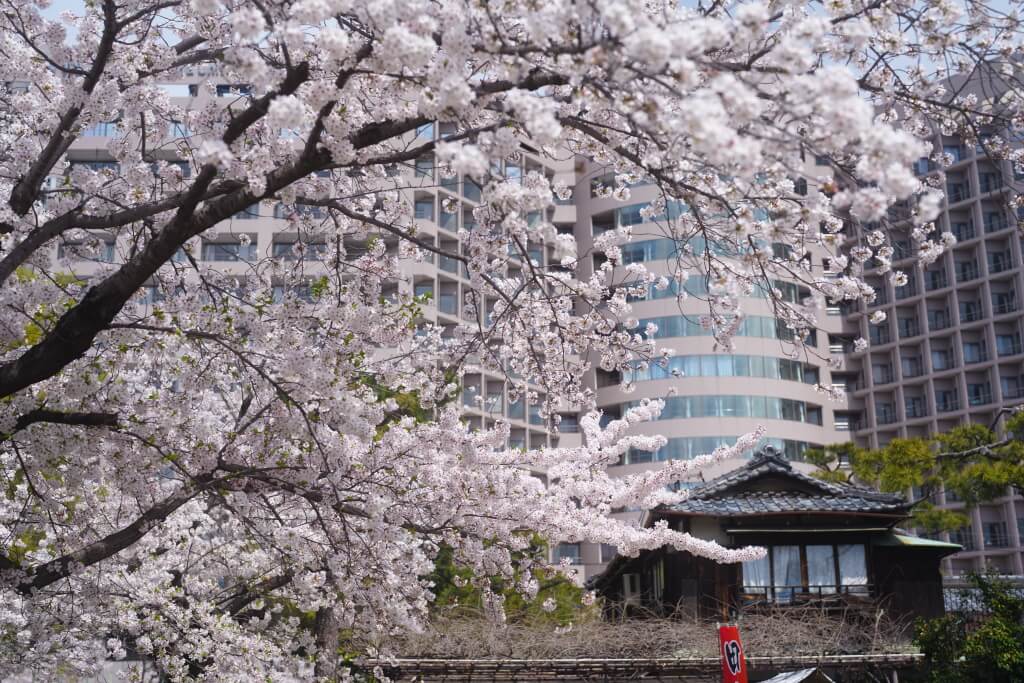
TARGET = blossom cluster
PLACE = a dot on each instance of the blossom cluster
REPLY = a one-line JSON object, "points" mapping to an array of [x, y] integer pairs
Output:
{"points": [[229, 470]]}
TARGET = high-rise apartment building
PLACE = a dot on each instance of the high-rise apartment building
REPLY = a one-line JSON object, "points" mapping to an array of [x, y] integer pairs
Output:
{"points": [[711, 396], [949, 353], [293, 236]]}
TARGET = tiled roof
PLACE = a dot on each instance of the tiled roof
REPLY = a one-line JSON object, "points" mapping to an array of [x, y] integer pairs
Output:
{"points": [[765, 502], [716, 496]]}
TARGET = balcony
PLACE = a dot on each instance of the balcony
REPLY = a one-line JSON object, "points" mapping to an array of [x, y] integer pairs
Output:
{"points": [[970, 312], [911, 367], [901, 249], [938, 320], [963, 537], [963, 231], [1008, 345], [448, 303], [885, 415], [879, 336], [990, 182], [915, 407], [1012, 388], [908, 327], [994, 222], [755, 598], [957, 192], [966, 271], [942, 360], [946, 403], [981, 395], [448, 264], [935, 279], [882, 374], [1003, 305], [997, 263], [906, 291], [975, 353], [994, 535]]}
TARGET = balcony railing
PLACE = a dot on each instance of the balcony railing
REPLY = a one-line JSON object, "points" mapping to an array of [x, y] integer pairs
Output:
{"points": [[969, 314], [753, 596], [906, 291], [916, 408], [997, 540], [995, 223], [997, 263], [947, 405], [980, 398], [882, 375], [938, 320], [963, 231], [448, 264], [879, 336], [935, 280], [963, 538], [912, 369], [957, 193], [1013, 391], [1010, 349], [885, 417], [990, 182], [975, 356], [908, 327], [1005, 306], [448, 303], [966, 271]]}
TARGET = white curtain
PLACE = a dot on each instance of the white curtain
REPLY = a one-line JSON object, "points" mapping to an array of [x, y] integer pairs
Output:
{"points": [[756, 575], [853, 568], [786, 565], [821, 568]]}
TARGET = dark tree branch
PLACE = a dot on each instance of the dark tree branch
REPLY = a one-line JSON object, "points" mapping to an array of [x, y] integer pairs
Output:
{"points": [[65, 418], [24, 193]]}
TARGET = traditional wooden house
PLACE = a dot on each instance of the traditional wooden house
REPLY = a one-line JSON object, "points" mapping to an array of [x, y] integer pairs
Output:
{"points": [[827, 543]]}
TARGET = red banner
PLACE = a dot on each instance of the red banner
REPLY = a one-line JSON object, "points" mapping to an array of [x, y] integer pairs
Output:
{"points": [[734, 665]]}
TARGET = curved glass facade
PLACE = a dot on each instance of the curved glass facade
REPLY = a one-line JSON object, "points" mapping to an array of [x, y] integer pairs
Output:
{"points": [[689, 447], [728, 365], [752, 326], [768, 407]]}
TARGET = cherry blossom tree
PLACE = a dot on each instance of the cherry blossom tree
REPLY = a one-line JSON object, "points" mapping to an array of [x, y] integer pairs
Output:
{"points": [[227, 483]]}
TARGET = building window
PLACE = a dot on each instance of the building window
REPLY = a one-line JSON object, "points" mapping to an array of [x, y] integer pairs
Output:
{"points": [[424, 167], [608, 552], [92, 250], [821, 567], [567, 551], [229, 251], [789, 573], [424, 209], [569, 424], [757, 575], [678, 407], [177, 129], [786, 572], [995, 534], [292, 251], [248, 213], [853, 568], [234, 90], [104, 129]]}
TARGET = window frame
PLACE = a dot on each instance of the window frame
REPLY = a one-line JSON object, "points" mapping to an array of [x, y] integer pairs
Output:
{"points": [[779, 594]]}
